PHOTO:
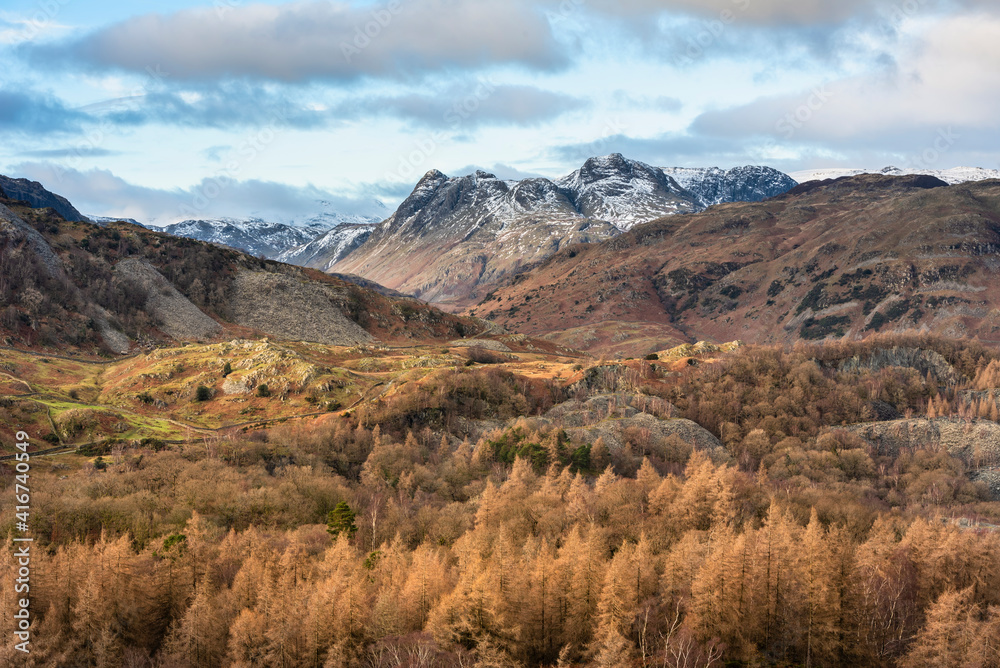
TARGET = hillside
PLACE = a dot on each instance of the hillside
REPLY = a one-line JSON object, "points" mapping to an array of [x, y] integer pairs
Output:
{"points": [[36, 195], [118, 288], [828, 259], [450, 506], [455, 239], [452, 237]]}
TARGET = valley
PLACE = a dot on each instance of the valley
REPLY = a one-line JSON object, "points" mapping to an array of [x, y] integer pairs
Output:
{"points": [[796, 398], [500, 334]]}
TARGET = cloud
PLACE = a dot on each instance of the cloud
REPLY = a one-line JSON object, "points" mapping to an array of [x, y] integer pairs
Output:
{"points": [[468, 105], [225, 105], [15, 30], [769, 12], [318, 40], [667, 150], [500, 170], [100, 192], [30, 112], [623, 100], [947, 79], [80, 152]]}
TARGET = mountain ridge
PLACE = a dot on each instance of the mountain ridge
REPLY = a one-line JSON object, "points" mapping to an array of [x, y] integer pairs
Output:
{"points": [[836, 258], [952, 176], [455, 238], [38, 197]]}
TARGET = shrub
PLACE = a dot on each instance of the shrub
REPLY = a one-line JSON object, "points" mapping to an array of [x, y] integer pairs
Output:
{"points": [[813, 329], [227, 369], [652, 357], [485, 356], [263, 390], [202, 393]]}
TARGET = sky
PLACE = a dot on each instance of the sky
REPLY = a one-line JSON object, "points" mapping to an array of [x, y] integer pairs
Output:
{"points": [[179, 109]]}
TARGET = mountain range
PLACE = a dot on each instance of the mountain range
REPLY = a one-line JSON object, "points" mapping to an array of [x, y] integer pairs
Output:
{"points": [[846, 257], [950, 176], [329, 248], [454, 239], [253, 235], [571, 259], [267, 237]]}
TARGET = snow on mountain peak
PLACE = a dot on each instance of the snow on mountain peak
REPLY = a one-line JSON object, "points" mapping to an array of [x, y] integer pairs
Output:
{"points": [[951, 176]]}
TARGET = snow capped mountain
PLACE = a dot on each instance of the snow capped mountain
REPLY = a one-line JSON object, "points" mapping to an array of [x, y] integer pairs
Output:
{"points": [[624, 192], [254, 236], [104, 220], [330, 247], [714, 186], [611, 189], [453, 239], [277, 235], [950, 176]]}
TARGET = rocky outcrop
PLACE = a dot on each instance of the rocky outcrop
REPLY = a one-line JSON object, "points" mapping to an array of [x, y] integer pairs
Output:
{"points": [[17, 231], [176, 316], [292, 307], [488, 344], [38, 197], [990, 478], [976, 442], [618, 418], [924, 361]]}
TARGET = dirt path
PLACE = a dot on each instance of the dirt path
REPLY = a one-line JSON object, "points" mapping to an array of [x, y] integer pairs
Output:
{"points": [[70, 359]]}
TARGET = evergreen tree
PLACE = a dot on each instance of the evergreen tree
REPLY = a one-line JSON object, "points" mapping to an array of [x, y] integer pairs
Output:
{"points": [[341, 520]]}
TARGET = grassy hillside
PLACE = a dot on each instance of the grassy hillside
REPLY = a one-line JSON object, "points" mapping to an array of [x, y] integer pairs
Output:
{"points": [[834, 504]]}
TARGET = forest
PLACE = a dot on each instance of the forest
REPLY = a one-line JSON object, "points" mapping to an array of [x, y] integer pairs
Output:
{"points": [[447, 526]]}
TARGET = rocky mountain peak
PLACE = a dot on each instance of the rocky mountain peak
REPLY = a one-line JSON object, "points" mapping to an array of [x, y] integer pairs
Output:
{"points": [[454, 239], [614, 166], [37, 196]]}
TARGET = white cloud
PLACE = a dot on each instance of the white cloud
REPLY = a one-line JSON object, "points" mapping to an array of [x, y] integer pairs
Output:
{"points": [[945, 77], [100, 192], [319, 40]]}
